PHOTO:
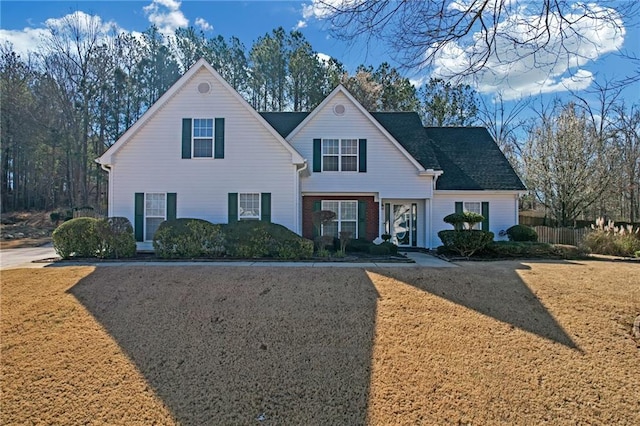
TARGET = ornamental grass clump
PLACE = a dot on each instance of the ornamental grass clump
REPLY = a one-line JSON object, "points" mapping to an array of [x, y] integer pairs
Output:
{"points": [[607, 238]]}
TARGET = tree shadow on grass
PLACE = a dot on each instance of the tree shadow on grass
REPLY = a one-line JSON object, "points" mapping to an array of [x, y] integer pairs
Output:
{"points": [[491, 290], [231, 345]]}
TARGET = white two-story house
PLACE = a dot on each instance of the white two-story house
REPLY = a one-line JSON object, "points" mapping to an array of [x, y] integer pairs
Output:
{"points": [[201, 151]]}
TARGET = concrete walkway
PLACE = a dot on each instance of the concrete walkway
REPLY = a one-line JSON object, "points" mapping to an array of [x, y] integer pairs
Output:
{"points": [[24, 258]]}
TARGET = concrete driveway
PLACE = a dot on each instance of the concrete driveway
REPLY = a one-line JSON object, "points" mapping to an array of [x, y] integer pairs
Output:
{"points": [[23, 257]]}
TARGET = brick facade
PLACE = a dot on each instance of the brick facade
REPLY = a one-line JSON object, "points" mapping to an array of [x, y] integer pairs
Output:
{"points": [[373, 214]]}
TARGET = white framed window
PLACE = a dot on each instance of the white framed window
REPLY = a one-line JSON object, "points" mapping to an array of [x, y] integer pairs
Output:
{"points": [[202, 138], [346, 218], [473, 207], [340, 155], [155, 210], [249, 206]]}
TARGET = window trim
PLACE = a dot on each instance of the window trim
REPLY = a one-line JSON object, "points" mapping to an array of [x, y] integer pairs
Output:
{"points": [[259, 216], [164, 211], [193, 139], [465, 209], [338, 218], [340, 155]]}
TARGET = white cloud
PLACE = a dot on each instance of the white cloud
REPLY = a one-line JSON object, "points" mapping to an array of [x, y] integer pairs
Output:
{"points": [[30, 39], [417, 82], [166, 15], [323, 57], [301, 24], [25, 40], [516, 71], [203, 24], [323, 9]]}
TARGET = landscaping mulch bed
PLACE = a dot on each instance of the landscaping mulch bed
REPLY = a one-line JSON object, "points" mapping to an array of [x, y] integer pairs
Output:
{"points": [[486, 343]]}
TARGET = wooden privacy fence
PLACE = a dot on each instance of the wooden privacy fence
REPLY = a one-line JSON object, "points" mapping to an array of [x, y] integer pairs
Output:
{"points": [[569, 236]]}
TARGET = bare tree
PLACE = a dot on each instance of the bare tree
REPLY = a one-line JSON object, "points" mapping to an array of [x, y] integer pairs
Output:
{"points": [[566, 163], [478, 31], [503, 123], [628, 150]]}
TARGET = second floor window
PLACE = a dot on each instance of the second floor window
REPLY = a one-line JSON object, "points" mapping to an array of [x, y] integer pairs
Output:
{"points": [[340, 155], [202, 137]]}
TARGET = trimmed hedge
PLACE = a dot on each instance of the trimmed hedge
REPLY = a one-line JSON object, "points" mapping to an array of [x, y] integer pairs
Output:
{"points": [[76, 237], [88, 237], [466, 242], [254, 239], [188, 238], [115, 238], [518, 249], [360, 245], [522, 233]]}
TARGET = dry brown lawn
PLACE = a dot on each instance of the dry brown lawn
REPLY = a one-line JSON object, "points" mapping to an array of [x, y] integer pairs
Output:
{"points": [[486, 343]]}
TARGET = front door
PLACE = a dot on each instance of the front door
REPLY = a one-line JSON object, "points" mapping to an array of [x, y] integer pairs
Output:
{"points": [[402, 224]]}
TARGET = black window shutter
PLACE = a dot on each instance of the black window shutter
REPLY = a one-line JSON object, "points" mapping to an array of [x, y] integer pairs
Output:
{"points": [[485, 214], [362, 220], [186, 138], [317, 206], [219, 139], [317, 155], [362, 151], [233, 207], [171, 206], [265, 207], [139, 216], [459, 207]]}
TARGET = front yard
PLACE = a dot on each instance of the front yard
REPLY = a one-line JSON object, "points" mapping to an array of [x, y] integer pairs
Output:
{"points": [[487, 343]]}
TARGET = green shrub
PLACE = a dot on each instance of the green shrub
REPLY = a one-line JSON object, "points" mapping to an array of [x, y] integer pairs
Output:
{"points": [[393, 249], [361, 245], [252, 239], [115, 237], [522, 233], [55, 217], [379, 250], [518, 249], [77, 238], [188, 238], [457, 220], [466, 242]]}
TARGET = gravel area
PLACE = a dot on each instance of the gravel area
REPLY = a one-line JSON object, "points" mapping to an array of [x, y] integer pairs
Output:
{"points": [[485, 343]]}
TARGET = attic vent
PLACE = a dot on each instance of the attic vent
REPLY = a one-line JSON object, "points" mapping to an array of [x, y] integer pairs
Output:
{"points": [[339, 109], [204, 87]]}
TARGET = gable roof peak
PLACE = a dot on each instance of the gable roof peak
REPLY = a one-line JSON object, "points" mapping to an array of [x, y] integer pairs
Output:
{"points": [[107, 157]]}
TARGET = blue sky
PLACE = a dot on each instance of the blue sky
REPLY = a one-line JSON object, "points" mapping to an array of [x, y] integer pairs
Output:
{"points": [[22, 22]]}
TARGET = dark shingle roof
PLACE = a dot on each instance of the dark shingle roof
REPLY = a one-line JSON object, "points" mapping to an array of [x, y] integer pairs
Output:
{"points": [[471, 160], [468, 156], [407, 129], [284, 122]]}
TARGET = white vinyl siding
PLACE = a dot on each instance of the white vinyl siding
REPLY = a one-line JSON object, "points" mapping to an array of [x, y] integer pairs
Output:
{"points": [[155, 210], [346, 219], [503, 211], [255, 161], [248, 206], [389, 173]]}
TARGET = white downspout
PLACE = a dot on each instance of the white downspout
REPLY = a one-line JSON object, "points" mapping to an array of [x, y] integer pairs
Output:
{"points": [[298, 198], [109, 194]]}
